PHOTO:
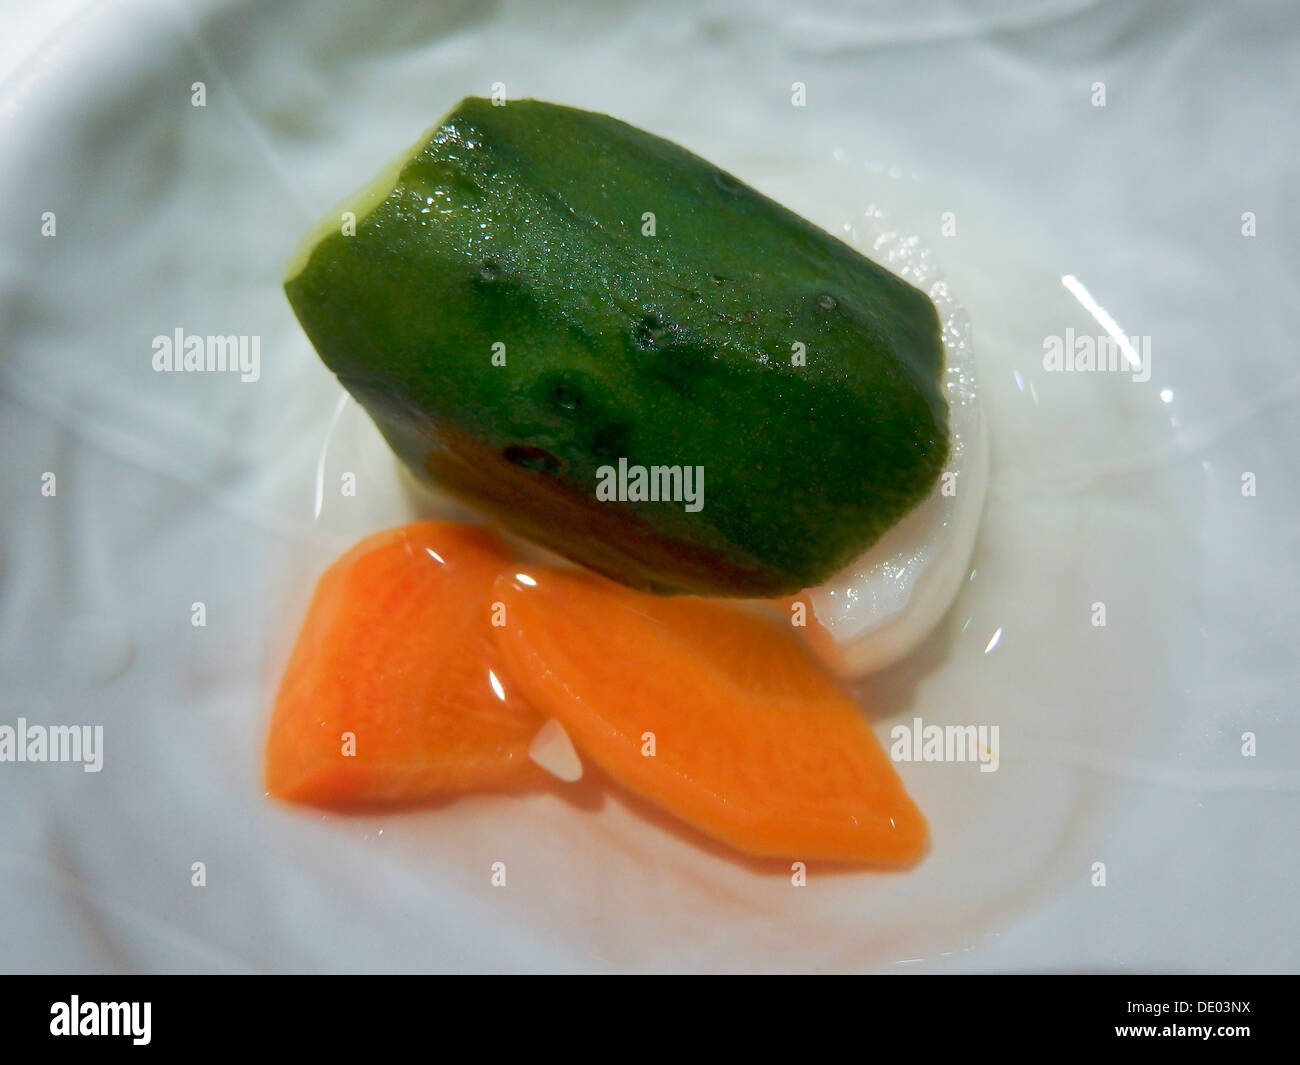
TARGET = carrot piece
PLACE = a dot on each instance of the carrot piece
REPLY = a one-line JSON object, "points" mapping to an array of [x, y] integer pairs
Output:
{"points": [[396, 649], [753, 743]]}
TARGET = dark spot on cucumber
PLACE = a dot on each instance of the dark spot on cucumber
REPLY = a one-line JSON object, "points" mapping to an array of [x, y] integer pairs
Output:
{"points": [[648, 331], [678, 357], [537, 459], [566, 398], [489, 271]]}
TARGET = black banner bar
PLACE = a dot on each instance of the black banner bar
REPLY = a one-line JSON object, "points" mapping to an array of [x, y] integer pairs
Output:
{"points": [[146, 1014]]}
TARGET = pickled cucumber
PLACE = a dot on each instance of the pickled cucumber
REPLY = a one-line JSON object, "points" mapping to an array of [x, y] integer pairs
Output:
{"points": [[624, 353]]}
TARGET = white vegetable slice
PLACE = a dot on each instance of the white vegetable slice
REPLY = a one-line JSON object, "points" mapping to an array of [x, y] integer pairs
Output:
{"points": [[554, 751]]}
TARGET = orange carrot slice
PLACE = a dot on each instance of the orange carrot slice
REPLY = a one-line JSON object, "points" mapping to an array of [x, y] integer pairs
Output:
{"points": [[752, 743], [392, 692]]}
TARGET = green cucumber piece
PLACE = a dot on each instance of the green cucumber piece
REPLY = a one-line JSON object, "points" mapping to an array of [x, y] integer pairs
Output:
{"points": [[526, 225]]}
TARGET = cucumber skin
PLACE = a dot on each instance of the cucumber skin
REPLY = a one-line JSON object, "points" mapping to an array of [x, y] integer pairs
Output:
{"points": [[522, 225]]}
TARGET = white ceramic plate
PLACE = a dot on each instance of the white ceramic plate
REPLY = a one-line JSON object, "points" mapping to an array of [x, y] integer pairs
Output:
{"points": [[1119, 744]]}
